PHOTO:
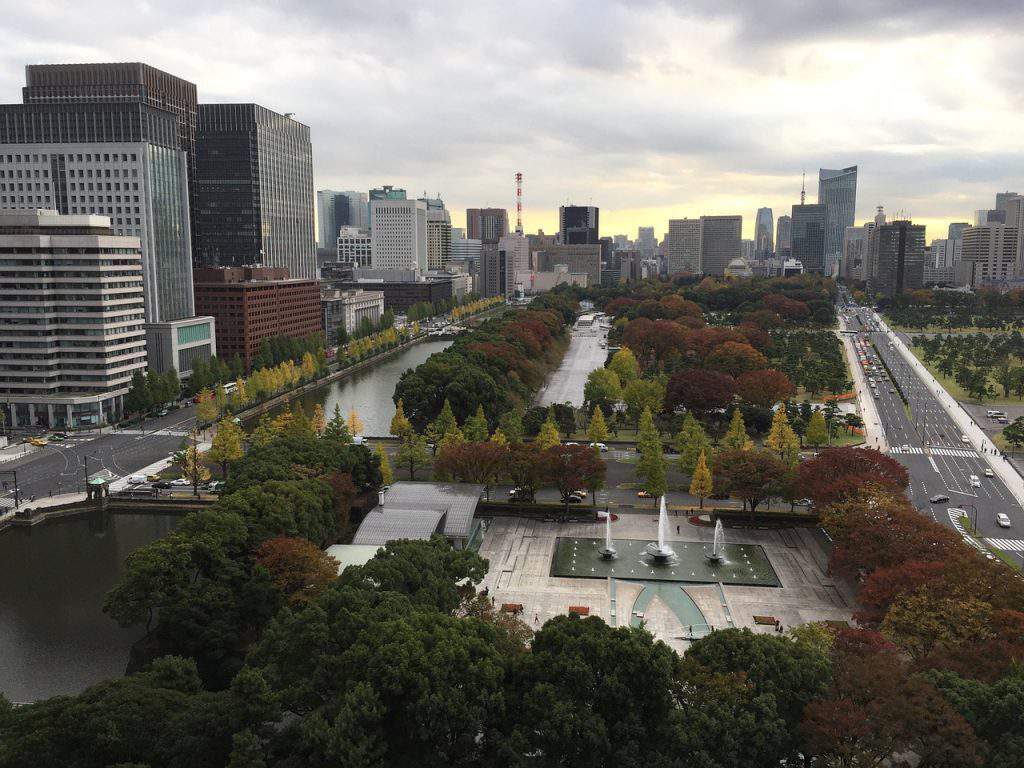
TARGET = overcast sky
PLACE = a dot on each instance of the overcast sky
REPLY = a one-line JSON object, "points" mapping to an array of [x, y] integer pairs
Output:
{"points": [[650, 110]]}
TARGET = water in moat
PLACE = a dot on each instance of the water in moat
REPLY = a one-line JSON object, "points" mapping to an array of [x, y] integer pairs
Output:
{"points": [[369, 391], [54, 637]]}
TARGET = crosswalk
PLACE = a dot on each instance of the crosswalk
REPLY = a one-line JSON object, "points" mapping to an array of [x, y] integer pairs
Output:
{"points": [[1007, 545], [962, 453], [954, 518]]}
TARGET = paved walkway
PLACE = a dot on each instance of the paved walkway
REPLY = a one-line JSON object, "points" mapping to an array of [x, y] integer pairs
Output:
{"points": [[978, 439], [585, 353]]}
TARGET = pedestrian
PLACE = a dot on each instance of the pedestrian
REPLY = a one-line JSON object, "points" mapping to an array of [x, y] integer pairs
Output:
{"points": [[677, 529], [536, 618]]}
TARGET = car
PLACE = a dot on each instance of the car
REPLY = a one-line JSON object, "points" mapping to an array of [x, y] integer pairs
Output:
{"points": [[178, 482], [162, 484], [975, 481], [64, 435], [216, 486], [1003, 520], [518, 494], [642, 494], [570, 499], [600, 446], [939, 498], [571, 443], [991, 414], [37, 441], [906, 447], [137, 480], [153, 478], [987, 472], [163, 412], [892, 391], [55, 438], [965, 439], [1003, 420], [579, 493], [876, 395]]}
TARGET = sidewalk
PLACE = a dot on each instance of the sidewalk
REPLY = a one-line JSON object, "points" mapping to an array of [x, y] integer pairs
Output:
{"points": [[874, 435], [979, 440]]}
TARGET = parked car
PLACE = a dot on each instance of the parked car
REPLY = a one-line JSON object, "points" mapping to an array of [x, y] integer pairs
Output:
{"points": [[939, 498], [137, 480], [163, 484], [216, 486], [519, 494], [600, 446], [570, 499], [178, 482], [153, 478], [1003, 520]]}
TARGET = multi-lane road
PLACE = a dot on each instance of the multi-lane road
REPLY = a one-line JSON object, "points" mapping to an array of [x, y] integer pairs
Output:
{"points": [[923, 436], [587, 351], [59, 468]]}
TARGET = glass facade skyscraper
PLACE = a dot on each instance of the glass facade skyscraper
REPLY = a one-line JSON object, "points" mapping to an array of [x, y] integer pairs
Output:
{"points": [[808, 236], [764, 245], [254, 190], [837, 191]]}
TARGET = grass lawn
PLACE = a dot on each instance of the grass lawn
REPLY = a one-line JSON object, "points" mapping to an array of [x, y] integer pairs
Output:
{"points": [[958, 392]]}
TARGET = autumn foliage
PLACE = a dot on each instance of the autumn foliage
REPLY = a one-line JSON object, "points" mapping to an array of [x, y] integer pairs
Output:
{"points": [[837, 473], [298, 568]]}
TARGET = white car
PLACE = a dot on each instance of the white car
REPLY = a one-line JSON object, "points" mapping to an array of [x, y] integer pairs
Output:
{"points": [[600, 446], [965, 439], [1003, 520], [988, 472], [975, 481], [181, 481]]}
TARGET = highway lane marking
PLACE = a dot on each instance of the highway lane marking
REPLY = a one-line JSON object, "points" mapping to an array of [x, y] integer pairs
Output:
{"points": [[1009, 545], [934, 466]]}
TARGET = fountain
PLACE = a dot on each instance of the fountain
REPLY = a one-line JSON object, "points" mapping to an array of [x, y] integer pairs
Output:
{"points": [[608, 551], [660, 551], [716, 546]]}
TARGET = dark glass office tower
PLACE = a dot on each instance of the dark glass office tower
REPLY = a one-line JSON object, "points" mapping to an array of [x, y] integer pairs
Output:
{"points": [[254, 190], [808, 236], [578, 224]]}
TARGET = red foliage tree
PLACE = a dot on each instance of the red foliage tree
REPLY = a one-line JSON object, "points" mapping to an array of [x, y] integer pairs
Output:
{"points": [[698, 390], [572, 468], [764, 318], [482, 463], [701, 341], [619, 306], [676, 306], [757, 337], [787, 308], [751, 476], [298, 567], [654, 341], [836, 473], [524, 466], [735, 358], [765, 387], [884, 585]]}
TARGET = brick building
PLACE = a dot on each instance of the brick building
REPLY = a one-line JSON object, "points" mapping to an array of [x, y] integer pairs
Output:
{"points": [[252, 304]]}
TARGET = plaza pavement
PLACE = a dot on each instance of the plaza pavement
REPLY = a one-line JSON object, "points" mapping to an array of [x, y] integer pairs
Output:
{"points": [[520, 550]]}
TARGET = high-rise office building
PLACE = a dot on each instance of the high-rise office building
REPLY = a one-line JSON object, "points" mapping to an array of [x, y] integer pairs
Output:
{"points": [[578, 224], [517, 249], [989, 254], [580, 259], [354, 247], [71, 299], [488, 225], [439, 238], [720, 238], [783, 237], [124, 82], [946, 252], [683, 246], [808, 236], [120, 159], [855, 250], [645, 242], [956, 230], [464, 249], [335, 210], [1003, 201], [896, 255], [764, 245], [398, 234], [254, 190], [837, 191]]}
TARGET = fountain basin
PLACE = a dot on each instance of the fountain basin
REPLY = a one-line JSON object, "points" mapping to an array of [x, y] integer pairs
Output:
{"points": [[745, 564]]}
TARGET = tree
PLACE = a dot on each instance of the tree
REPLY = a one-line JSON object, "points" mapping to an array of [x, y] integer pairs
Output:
{"points": [[480, 462], [643, 394], [817, 431], [736, 438], [387, 475], [190, 463], [227, 445], [783, 440], [650, 468], [172, 384], [701, 484], [691, 441], [602, 389], [838, 473], [735, 358], [354, 423], [597, 430], [624, 365], [698, 390], [525, 468], [413, 455], [1014, 432], [511, 425], [476, 428], [498, 437], [443, 424], [206, 407], [400, 425], [764, 387], [548, 435], [573, 467], [748, 475], [139, 399], [299, 569]]}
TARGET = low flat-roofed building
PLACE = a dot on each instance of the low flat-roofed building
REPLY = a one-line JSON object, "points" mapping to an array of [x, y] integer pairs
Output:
{"points": [[419, 510]]}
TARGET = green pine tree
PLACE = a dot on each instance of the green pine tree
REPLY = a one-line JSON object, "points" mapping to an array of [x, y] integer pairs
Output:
{"points": [[690, 442], [475, 428], [650, 468], [736, 439]]}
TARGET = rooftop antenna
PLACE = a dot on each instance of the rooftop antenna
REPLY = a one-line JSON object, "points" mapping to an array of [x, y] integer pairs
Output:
{"points": [[803, 185], [519, 203]]}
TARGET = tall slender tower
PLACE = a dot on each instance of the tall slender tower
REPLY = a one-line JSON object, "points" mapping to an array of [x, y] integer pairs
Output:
{"points": [[519, 202]]}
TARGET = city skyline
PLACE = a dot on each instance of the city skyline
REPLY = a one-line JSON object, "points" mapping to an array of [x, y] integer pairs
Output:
{"points": [[351, 74]]}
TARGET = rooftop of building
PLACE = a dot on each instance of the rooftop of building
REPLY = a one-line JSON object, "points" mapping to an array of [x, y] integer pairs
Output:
{"points": [[49, 221], [418, 510], [254, 275]]}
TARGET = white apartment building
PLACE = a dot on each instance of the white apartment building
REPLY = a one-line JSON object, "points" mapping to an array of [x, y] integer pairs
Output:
{"points": [[354, 247], [398, 234], [989, 254], [517, 248], [71, 318]]}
